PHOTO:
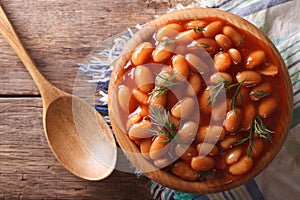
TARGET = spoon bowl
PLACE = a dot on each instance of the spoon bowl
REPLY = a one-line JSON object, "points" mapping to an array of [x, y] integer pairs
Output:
{"points": [[77, 134], [70, 126]]}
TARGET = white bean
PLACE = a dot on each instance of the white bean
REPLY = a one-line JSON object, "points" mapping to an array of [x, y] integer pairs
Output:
{"points": [[144, 78], [183, 108], [140, 130], [250, 78], [140, 96], [205, 149], [233, 120], [243, 166], [235, 56], [169, 30], [195, 84], [223, 41], [203, 163], [222, 61], [187, 132], [210, 134], [142, 53], [124, 95], [267, 107], [255, 58], [212, 29], [233, 155]]}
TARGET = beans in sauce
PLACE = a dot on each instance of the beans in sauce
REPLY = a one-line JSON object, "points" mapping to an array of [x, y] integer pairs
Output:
{"points": [[201, 99]]}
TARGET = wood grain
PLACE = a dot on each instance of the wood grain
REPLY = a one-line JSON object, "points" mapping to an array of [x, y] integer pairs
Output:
{"points": [[71, 125], [59, 34], [28, 169]]}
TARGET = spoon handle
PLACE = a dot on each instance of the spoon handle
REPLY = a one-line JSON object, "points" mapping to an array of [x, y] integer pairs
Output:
{"points": [[8, 33]]}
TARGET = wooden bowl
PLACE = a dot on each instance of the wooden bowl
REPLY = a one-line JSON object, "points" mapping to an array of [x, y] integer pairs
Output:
{"points": [[133, 152]]}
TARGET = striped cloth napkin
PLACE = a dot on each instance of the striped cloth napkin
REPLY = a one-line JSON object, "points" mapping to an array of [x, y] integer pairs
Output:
{"points": [[278, 19]]}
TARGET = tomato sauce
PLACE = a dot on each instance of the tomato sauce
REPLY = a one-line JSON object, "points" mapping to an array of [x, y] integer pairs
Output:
{"points": [[177, 93]]}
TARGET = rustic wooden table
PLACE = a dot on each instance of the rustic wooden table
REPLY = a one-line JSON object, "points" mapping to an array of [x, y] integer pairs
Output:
{"points": [[58, 34]]}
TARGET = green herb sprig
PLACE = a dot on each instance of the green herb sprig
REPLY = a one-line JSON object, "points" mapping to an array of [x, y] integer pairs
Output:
{"points": [[261, 129], [203, 45], [259, 94], [167, 41], [250, 138], [166, 83], [237, 94], [199, 29], [217, 89], [222, 88], [163, 122], [242, 40], [258, 127]]}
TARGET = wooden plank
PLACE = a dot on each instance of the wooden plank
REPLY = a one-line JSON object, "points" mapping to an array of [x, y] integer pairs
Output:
{"points": [[28, 169], [61, 33], [58, 34]]}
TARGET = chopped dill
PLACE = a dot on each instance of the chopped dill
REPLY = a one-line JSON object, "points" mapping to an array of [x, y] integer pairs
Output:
{"points": [[259, 94], [199, 29], [242, 40], [203, 45], [166, 83], [167, 41], [258, 127], [162, 119], [221, 87]]}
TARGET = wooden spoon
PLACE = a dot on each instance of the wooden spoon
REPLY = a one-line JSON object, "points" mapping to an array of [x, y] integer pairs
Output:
{"points": [[78, 136]]}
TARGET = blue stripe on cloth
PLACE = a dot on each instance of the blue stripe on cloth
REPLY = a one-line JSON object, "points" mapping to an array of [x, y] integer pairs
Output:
{"points": [[285, 38], [295, 73], [296, 92], [221, 4], [203, 197], [231, 195], [253, 190], [258, 6], [235, 6], [296, 117], [168, 194], [186, 196], [292, 54], [290, 46], [293, 64], [296, 102], [295, 82], [225, 196], [103, 110]]}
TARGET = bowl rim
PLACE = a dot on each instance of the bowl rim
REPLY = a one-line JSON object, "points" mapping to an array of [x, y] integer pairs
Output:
{"points": [[163, 177]]}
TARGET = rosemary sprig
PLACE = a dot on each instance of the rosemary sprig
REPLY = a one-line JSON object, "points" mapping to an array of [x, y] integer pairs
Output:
{"points": [[250, 138], [259, 94], [167, 41], [166, 83], [258, 127], [221, 88], [237, 94], [261, 129], [217, 89], [162, 119], [199, 28], [241, 41]]}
